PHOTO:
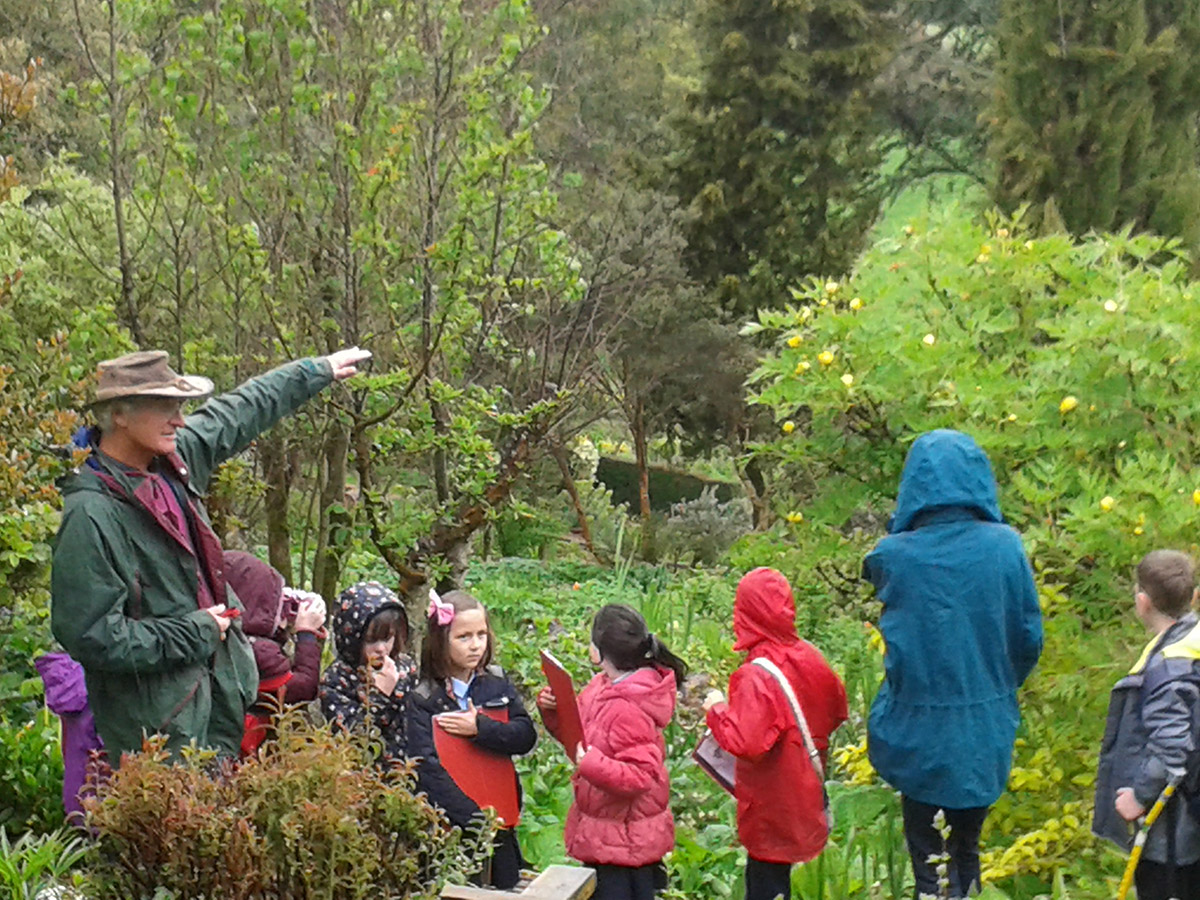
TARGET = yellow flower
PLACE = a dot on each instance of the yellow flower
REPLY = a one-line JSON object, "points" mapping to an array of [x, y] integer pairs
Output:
{"points": [[1138, 530], [831, 287], [908, 230], [928, 340], [847, 379], [1068, 403], [788, 427], [1110, 306], [795, 341], [1012, 417], [985, 249], [1107, 503], [856, 303], [982, 258], [803, 366], [795, 517], [825, 357], [1196, 496], [1002, 232]]}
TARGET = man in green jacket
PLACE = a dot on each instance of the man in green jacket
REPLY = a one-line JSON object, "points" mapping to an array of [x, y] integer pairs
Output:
{"points": [[138, 587]]}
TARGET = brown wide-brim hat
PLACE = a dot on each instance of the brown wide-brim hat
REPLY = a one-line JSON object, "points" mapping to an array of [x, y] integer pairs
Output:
{"points": [[146, 374]]}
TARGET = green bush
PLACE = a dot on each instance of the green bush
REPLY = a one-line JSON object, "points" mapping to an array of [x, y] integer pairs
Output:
{"points": [[312, 817], [34, 866], [1073, 363], [31, 774]]}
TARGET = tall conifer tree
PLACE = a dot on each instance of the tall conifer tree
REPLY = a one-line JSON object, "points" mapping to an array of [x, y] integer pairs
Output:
{"points": [[781, 153], [1095, 114]]}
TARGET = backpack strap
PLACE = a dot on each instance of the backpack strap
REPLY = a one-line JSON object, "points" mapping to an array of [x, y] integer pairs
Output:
{"points": [[801, 722]]}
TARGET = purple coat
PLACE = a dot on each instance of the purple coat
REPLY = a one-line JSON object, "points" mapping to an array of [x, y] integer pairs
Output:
{"points": [[66, 695]]}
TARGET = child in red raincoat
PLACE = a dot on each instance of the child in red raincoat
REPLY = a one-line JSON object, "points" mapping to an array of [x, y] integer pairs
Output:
{"points": [[780, 796], [621, 823]]}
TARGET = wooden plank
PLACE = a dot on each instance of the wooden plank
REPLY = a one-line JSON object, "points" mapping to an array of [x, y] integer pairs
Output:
{"points": [[555, 883], [470, 892], [562, 883]]}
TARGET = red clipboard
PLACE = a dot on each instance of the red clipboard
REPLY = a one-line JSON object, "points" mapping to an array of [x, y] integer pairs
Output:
{"points": [[490, 779], [570, 726]]}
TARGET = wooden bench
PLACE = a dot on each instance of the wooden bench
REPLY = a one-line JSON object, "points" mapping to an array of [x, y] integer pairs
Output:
{"points": [[555, 883]]}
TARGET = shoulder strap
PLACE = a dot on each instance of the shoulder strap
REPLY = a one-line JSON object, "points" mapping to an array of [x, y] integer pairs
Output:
{"points": [[801, 722]]}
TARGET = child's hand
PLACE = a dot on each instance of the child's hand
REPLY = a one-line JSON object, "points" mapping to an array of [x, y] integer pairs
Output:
{"points": [[311, 615], [546, 699], [386, 677], [712, 698], [1127, 805], [461, 724]]}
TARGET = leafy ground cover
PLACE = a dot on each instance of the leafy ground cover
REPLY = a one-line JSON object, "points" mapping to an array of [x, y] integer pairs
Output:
{"points": [[1036, 837]]}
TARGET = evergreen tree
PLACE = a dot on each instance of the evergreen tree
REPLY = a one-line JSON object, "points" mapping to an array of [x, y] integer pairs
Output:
{"points": [[781, 152], [1094, 122]]}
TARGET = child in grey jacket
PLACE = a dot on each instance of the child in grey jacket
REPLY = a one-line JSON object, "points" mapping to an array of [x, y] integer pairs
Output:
{"points": [[1149, 736]]}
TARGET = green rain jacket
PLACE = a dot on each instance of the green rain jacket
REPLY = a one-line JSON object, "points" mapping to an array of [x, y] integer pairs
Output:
{"points": [[126, 585]]}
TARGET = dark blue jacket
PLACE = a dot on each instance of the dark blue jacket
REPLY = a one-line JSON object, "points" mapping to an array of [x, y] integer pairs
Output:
{"points": [[962, 627], [1149, 739], [489, 690]]}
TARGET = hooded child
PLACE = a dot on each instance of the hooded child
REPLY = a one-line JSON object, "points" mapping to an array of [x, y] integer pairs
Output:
{"points": [[373, 674], [274, 616], [780, 795], [962, 630]]}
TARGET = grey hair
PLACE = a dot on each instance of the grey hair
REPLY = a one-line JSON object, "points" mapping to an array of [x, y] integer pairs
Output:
{"points": [[104, 412]]}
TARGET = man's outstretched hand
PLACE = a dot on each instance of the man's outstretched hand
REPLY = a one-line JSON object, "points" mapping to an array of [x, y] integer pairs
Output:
{"points": [[344, 363]]}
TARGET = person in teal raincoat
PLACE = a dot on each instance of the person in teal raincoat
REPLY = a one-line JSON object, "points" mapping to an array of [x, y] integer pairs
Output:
{"points": [[962, 630]]}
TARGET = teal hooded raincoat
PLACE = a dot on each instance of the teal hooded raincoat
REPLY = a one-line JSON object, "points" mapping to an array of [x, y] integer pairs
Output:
{"points": [[962, 627]]}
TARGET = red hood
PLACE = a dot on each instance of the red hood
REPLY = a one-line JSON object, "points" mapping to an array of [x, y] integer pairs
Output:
{"points": [[764, 610], [651, 689]]}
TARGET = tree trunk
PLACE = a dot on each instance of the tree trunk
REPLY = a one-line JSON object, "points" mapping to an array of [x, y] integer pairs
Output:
{"points": [[637, 422], [278, 476], [335, 519], [755, 486], [560, 456]]}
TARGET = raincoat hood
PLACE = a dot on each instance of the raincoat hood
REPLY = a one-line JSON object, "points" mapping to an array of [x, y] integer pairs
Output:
{"points": [[651, 688], [764, 610], [945, 469], [355, 608], [260, 588]]}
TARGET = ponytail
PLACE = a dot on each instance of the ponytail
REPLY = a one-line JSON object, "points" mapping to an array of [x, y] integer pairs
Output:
{"points": [[661, 655], [620, 634]]}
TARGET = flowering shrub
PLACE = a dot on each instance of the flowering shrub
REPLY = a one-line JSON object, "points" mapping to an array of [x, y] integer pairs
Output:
{"points": [[1074, 364]]}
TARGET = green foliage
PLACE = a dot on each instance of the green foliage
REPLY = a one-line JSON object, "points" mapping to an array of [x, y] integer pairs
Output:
{"points": [[1070, 362], [701, 530], [312, 817], [33, 865], [1094, 119], [781, 147], [31, 773]]}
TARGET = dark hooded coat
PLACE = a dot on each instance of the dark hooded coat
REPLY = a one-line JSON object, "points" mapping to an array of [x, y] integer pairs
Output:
{"points": [[348, 693], [283, 679], [780, 798], [962, 628]]}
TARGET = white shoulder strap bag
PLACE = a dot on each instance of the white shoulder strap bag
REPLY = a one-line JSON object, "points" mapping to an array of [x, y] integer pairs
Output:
{"points": [[802, 723]]}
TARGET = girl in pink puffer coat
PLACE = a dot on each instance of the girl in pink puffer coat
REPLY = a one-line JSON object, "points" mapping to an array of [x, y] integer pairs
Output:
{"points": [[621, 823]]}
